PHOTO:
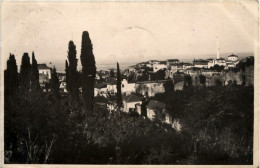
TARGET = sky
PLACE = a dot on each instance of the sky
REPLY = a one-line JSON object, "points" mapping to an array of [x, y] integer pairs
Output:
{"points": [[129, 32]]}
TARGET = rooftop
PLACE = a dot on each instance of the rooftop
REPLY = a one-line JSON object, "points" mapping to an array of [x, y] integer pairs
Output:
{"points": [[162, 62], [172, 60], [232, 55], [132, 98], [158, 81], [200, 60], [101, 85], [43, 66]]}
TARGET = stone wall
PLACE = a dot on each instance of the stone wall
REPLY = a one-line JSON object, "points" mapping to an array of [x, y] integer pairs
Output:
{"points": [[150, 89]]}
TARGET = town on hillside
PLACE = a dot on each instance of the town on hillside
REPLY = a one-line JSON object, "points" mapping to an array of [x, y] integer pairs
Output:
{"points": [[146, 79], [129, 84]]}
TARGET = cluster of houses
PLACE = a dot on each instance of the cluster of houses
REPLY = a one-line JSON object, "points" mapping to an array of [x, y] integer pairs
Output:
{"points": [[134, 93], [174, 65], [154, 109]]}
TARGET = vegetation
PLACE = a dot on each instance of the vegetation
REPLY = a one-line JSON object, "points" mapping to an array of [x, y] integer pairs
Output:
{"points": [[72, 68], [88, 72], [25, 73], [118, 88], [48, 127], [35, 74]]}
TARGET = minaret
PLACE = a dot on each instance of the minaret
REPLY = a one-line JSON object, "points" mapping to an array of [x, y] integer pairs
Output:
{"points": [[217, 49]]}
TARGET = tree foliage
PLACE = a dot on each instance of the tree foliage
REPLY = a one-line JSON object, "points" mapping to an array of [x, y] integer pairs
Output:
{"points": [[34, 74], [11, 80], [68, 87], [118, 87], [202, 80], [55, 84], [25, 72], [88, 71], [73, 74]]}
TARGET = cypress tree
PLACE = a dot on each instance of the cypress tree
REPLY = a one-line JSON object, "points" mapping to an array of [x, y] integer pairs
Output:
{"points": [[74, 91], [88, 71], [55, 84], [67, 76], [25, 73], [118, 87], [34, 74], [11, 89], [11, 80]]}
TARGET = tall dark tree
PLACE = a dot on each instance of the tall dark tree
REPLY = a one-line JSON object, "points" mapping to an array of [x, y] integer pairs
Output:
{"points": [[55, 84], [187, 81], [73, 61], [25, 71], [34, 74], [11, 80], [11, 88], [88, 71], [67, 76], [118, 88]]}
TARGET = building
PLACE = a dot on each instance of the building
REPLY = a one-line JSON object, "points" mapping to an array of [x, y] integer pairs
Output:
{"points": [[111, 85], [150, 88], [44, 74], [130, 102], [232, 61], [233, 58], [176, 67], [153, 62], [62, 80], [187, 66], [200, 63], [127, 88], [172, 61], [159, 66], [211, 63], [100, 89], [220, 62]]}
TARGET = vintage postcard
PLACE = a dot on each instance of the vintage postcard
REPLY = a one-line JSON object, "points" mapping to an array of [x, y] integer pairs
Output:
{"points": [[129, 84]]}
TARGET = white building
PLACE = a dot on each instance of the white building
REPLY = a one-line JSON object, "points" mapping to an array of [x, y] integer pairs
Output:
{"points": [[159, 66], [233, 58], [127, 88], [130, 102], [43, 69], [220, 62], [100, 89], [44, 74], [153, 62], [200, 63]]}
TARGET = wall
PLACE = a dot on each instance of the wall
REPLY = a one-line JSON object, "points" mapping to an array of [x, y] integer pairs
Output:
{"points": [[157, 67], [150, 88], [127, 88], [111, 88], [45, 71], [128, 105]]}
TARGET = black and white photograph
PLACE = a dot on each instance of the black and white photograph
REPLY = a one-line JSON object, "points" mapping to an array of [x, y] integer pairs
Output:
{"points": [[129, 83]]}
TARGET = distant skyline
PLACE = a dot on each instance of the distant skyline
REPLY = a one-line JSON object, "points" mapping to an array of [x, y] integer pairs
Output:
{"points": [[129, 32]]}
